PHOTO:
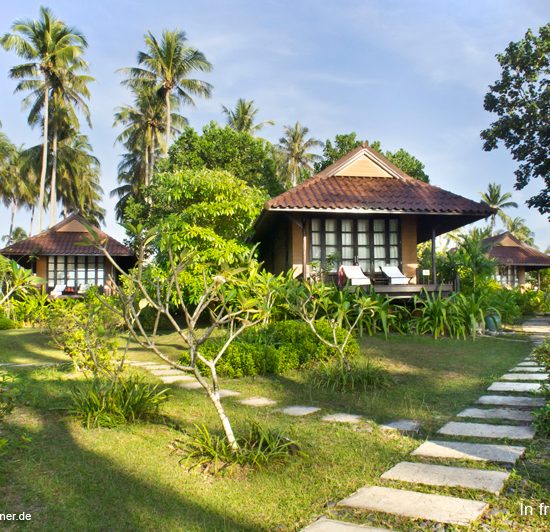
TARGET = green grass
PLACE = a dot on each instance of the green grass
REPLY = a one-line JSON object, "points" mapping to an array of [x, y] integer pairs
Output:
{"points": [[70, 478]]}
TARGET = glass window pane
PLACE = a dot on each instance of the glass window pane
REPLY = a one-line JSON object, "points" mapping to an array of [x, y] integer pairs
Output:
{"points": [[347, 226], [316, 239], [394, 252], [363, 253], [363, 239], [393, 239], [347, 252], [379, 239], [394, 225], [379, 252], [365, 265], [362, 226], [330, 239], [378, 226], [316, 253], [315, 224], [330, 224], [347, 239]]}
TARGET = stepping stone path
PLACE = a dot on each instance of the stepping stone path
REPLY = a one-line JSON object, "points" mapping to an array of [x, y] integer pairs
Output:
{"points": [[482, 452], [331, 525], [454, 510], [299, 410], [190, 385], [229, 393], [497, 413], [343, 418], [258, 401], [510, 400], [169, 379], [514, 387], [415, 505], [524, 376], [402, 425], [439, 475], [484, 430]]}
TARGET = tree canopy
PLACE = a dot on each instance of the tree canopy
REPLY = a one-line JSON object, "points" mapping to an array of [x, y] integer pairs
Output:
{"points": [[222, 148], [521, 101]]}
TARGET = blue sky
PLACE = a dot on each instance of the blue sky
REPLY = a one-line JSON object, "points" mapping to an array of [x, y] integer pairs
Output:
{"points": [[411, 74]]}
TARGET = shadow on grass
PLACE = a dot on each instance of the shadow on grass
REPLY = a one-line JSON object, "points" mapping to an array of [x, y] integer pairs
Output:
{"points": [[66, 486], [16, 344]]}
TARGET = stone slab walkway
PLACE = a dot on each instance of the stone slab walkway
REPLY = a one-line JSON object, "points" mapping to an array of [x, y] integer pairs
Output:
{"points": [[402, 425], [258, 401], [440, 475], [524, 376], [484, 452], [528, 369], [484, 430], [299, 410], [514, 387], [331, 525], [415, 505], [342, 418], [511, 400], [497, 413]]}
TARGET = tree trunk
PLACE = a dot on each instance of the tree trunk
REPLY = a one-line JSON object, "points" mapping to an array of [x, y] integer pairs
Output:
{"points": [[44, 159], [168, 122], [152, 158], [146, 177], [53, 181], [32, 221], [215, 397], [12, 219]]}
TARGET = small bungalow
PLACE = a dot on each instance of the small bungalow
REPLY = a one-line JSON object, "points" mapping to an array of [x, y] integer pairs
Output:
{"points": [[57, 255], [362, 210], [514, 259]]}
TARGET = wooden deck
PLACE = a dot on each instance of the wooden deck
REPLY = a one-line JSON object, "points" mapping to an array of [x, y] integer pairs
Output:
{"points": [[406, 291]]}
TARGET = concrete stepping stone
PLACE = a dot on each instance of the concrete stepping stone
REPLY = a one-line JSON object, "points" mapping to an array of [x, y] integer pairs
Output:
{"points": [[440, 475], [402, 425], [229, 393], [299, 410], [258, 401], [190, 385], [484, 430], [510, 400], [524, 376], [528, 363], [166, 372], [480, 452], [332, 525], [169, 379], [416, 505], [140, 363], [528, 369], [497, 413], [514, 387], [343, 418]]}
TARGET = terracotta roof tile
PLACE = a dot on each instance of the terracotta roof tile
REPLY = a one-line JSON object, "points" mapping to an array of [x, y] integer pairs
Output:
{"points": [[519, 254]]}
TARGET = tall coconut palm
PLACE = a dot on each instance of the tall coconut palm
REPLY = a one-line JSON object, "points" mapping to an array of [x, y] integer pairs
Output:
{"points": [[166, 65], [48, 45], [242, 117], [144, 124], [519, 229], [296, 151], [497, 201]]}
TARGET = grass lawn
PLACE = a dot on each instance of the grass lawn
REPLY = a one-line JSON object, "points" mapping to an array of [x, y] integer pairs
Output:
{"points": [[70, 478]]}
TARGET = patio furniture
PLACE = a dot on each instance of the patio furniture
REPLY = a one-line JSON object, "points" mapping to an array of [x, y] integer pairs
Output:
{"points": [[395, 275], [353, 274], [57, 290]]}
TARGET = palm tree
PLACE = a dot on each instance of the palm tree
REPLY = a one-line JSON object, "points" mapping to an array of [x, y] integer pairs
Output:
{"points": [[296, 150], [131, 176], [242, 117], [48, 45], [518, 228], [144, 126], [166, 66], [472, 254], [497, 201]]}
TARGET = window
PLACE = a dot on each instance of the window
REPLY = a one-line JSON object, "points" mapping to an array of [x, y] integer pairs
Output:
{"points": [[73, 271], [367, 242]]}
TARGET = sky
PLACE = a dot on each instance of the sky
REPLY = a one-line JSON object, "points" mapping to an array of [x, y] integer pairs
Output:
{"points": [[411, 74]]}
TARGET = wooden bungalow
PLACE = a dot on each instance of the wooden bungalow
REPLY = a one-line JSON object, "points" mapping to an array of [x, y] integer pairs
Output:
{"points": [[514, 259], [361, 210], [58, 256]]}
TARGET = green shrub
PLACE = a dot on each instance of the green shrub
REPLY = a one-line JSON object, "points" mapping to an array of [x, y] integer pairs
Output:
{"points": [[103, 403], [542, 353], [273, 349], [334, 376], [6, 394], [542, 420], [6, 323], [259, 447], [32, 308]]}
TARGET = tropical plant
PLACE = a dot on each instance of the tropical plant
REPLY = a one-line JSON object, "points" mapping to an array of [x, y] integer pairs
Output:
{"points": [[498, 202], [296, 149], [517, 227], [49, 47], [15, 281], [242, 117], [472, 258], [165, 66]]}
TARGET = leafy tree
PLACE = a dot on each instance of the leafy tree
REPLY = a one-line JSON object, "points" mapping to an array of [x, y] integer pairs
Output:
{"points": [[48, 45], [521, 101], [497, 201], [166, 66], [223, 148], [16, 235], [473, 259], [242, 117], [344, 143], [297, 153], [519, 229]]}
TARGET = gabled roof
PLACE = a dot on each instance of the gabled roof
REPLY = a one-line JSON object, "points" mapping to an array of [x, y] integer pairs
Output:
{"points": [[364, 181], [507, 250], [64, 239]]}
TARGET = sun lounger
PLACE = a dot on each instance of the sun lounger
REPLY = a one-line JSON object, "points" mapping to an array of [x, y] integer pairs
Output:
{"points": [[353, 274], [395, 275]]}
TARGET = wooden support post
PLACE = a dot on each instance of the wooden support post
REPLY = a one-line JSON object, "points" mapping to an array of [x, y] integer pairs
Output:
{"points": [[304, 248], [434, 266], [538, 279]]}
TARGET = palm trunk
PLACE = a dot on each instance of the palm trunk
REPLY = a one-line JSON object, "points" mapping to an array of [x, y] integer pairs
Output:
{"points": [[53, 182], [146, 177], [12, 220], [168, 122], [44, 159], [32, 220], [152, 158]]}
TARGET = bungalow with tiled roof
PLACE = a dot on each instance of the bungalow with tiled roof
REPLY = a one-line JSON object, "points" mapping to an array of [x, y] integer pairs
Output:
{"points": [[364, 211], [59, 256], [514, 259]]}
